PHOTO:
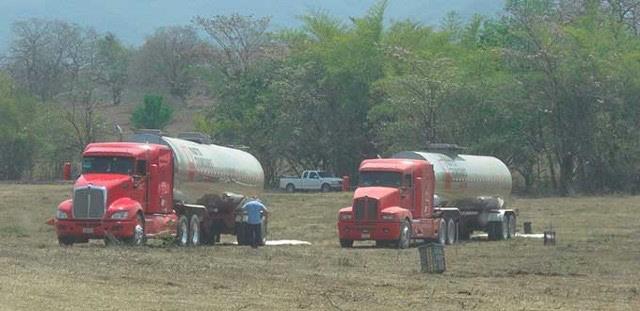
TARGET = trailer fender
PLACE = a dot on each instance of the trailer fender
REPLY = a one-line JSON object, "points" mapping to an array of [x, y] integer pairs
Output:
{"points": [[496, 216], [129, 205]]}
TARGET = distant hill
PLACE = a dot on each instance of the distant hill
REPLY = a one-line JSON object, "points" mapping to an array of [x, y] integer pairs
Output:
{"points": [[133, 20]]}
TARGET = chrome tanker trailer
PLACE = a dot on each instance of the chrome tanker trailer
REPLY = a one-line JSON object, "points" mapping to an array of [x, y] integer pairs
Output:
{"points": [[155, 186], [479, 187]]}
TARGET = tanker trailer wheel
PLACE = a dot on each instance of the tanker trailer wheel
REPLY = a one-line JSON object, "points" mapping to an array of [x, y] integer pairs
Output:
{"points": [[291, 188], [451, 231], [503, 228], [405, 235], [66, 241], [182, 234], [512, 226], [138, 237], [194, 231], [346, 243], [325, 188], [442, 232]]}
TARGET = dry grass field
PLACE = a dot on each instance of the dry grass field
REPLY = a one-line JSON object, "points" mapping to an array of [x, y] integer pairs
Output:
{"points": [[594, 266]]}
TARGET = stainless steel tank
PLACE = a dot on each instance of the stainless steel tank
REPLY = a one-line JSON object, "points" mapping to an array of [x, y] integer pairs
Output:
{"points": [[466, 181], [207, 169]]}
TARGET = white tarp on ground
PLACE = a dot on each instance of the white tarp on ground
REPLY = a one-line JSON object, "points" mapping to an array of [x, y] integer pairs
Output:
{"points": [[518, 235], [287, 242], [279, 242]]}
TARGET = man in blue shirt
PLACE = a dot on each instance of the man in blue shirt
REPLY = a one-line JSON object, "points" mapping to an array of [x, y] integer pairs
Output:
{"points": [[254, 210]]}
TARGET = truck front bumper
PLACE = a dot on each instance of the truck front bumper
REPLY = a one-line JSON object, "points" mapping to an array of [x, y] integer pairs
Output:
{"points": [[95, 229], [379, 231]]}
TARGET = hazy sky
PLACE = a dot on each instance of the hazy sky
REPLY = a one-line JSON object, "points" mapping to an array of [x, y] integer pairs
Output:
{"points": [[132, 20]]}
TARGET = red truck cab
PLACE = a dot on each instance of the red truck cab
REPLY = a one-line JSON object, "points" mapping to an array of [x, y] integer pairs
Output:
{"points": [[392, 204], [124, 192]]}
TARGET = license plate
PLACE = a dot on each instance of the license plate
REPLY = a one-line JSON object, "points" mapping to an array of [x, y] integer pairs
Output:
{"points": [[366, 235], [87, 230]]}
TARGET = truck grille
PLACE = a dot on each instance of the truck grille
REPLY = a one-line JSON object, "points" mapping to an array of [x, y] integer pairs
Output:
{"points": [[89, 202], [365, 209]]}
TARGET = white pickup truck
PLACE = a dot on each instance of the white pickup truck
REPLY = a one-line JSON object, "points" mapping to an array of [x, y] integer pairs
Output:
{"points": [[311, 181]]}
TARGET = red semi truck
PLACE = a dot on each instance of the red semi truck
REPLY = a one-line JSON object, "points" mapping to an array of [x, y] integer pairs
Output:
{"points": [[441, 196], [157, 186]]}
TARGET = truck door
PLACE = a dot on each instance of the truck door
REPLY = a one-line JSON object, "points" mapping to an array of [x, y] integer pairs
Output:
{"points": [[313, 182], [406, 192], [141, 184]]}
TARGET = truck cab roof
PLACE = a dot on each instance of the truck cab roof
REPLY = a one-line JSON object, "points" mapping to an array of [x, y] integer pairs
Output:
{"points": [[395, 165], [136, 150]]}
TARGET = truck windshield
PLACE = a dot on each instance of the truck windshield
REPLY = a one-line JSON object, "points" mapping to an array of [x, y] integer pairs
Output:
{"points": [[383, 179], [113, 165]]}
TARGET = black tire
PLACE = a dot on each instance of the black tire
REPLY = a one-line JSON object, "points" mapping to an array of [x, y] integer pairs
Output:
{"points": [[452, 232], [291, 188], [325, 188], [263, 233], [512, 226], [195, 232], [66, 241], [346, 243], [382, 244], [442, 232], [182, 232], [503, 228], [404, 240], [241, 233], [139, 236]]}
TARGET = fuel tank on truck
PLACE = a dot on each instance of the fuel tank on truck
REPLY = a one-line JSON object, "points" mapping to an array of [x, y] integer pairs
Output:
{"points": [[206, 169], [466, 181]]}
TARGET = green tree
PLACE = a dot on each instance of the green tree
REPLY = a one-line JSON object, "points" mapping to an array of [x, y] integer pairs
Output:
{"points": [[17, 132], [152, 114]]}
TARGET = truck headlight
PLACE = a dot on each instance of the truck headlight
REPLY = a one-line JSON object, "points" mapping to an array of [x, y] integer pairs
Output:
{"points": [[120, 215], [388, 217], [61, 215], [346, 217]]}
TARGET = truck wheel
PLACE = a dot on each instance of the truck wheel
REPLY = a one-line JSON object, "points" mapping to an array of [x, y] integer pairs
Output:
{"points": [[405, 235], [512, 226], [194, 231], [346, 243], [241, 233], [325, 188], [263, 233], [451, 231], [291, 188], [503, 227], [138, 237], [182, 236], [442, 232], [66, 241]]}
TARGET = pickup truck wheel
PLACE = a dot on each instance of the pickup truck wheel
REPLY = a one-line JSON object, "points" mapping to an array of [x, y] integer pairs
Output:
{"points": [[138, 237], [325, 188], [346, 243], [290, 188], [182, 236], [442, 232], [405, 235], [194, 231], [451, 231], [66, 241]]}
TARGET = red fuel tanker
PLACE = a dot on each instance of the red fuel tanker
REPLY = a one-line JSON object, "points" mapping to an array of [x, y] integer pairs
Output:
{"points": [[157, 186], [441, 196]]}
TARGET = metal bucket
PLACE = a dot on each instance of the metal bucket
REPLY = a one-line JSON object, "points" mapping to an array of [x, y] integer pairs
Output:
{"points": [[432, 258]]}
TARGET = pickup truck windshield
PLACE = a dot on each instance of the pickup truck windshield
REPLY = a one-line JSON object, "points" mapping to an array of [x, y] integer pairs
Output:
{"points": [[383, 179], [113, 165]]}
